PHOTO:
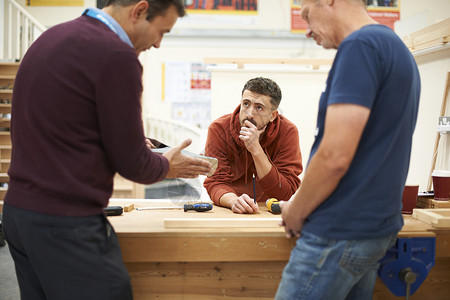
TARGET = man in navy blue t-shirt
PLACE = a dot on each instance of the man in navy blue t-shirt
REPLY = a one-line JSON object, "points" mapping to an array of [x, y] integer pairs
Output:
{"points": [[347, 212]]}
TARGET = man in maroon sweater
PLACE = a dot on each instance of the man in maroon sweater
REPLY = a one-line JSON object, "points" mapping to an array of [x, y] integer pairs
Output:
{"points": [[76, 122], [258, 151]]}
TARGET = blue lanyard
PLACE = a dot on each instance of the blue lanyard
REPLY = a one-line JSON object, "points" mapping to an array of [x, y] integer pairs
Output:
{"points": [[108, 21], [99, 17]]}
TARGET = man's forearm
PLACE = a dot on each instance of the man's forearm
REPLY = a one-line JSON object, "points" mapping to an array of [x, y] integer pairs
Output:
{"points": [[262, 163], [320, 180]]}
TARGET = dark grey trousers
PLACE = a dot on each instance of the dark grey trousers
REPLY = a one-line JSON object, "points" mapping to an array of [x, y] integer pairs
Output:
{"points": [[65, 257]]}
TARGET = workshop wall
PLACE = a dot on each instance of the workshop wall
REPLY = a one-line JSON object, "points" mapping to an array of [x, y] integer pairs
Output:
{"points": [[268, 36], [52, 15], [301, 90], [273, 15], [433, 68]]}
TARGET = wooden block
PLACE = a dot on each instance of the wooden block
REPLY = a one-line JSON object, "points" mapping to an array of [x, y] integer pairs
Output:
{"points": [[425, 199], [441, 204], [436, 217], [220, 222], [128, 208], [424, 205], [431, 203], [421, 204]]}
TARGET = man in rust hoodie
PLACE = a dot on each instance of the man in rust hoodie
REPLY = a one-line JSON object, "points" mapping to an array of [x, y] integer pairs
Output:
{"points": [[258, 151]]}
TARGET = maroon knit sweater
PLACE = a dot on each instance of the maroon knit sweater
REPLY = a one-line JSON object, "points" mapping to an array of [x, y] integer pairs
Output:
{"points": [[76, 121]]}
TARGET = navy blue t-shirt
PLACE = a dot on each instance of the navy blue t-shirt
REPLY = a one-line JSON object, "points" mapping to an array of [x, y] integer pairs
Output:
{"points": [[372, 68]]}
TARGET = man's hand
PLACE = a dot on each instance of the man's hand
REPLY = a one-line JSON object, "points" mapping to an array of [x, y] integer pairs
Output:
{"points": [[244, 204], [149, 144], [183, 166], [250, 134], [292, 223]]}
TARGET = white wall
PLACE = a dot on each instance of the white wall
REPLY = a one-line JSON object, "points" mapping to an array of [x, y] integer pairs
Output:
{"points": [[300, 96], [269, 37], [197, 49], [418, 14], [52, 15]]}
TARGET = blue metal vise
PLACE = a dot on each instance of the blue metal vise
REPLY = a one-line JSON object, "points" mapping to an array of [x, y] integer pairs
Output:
{"points": [[406, 265]]}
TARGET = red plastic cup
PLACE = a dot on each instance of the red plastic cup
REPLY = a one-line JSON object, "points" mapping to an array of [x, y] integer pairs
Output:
{"points": [[409, 198], [441, 185]]}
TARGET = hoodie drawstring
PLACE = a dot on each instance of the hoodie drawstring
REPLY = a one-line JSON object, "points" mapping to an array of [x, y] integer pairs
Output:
{"points": [[246, 168]]}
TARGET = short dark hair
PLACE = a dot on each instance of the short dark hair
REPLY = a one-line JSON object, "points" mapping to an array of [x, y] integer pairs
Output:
{"points": [[265, 86], [155, 8]]}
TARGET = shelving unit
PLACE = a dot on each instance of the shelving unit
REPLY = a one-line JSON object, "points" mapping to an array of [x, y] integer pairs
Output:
{"points": [[432, 39], [8, 73], [441, 130]]}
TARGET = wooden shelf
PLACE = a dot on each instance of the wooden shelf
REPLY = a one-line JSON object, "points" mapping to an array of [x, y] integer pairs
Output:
{"points": [[241, 61], [4, 177], [5, 123], [12, 77], [9, 69], [435, 35], [8, 73]]}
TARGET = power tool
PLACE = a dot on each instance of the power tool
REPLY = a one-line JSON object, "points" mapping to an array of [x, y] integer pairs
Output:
{"points": [[273, 205]]}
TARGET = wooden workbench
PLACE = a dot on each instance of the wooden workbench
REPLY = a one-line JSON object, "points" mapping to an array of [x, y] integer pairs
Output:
{"points": [[232, 263]]}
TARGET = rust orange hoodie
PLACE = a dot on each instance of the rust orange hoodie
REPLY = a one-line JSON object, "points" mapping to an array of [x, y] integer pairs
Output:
{"points": [[236, 167]]}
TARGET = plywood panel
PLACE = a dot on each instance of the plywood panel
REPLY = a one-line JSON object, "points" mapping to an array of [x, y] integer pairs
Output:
{"points": [[207, 248], [230, 280], [247, 280]]}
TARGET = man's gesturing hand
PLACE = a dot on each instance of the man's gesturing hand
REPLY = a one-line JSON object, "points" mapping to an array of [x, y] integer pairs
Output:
{"points": [[183, 166]]}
